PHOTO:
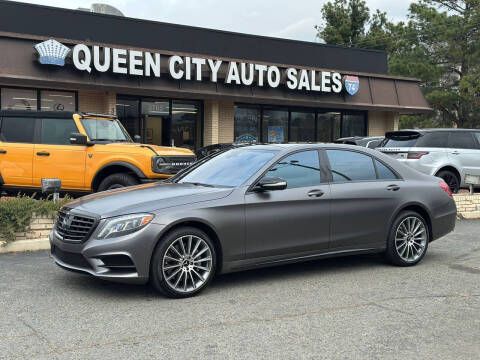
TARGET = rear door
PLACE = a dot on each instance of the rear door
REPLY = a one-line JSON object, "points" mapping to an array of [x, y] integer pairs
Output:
{"points": [[16, 150], [55, 157], [364, 194], [464, 149]]}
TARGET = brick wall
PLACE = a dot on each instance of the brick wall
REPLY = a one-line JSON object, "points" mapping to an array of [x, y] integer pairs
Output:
{"points": [[379, 122], [101, 102], [468, 206], [218, 122], [39, 229]]}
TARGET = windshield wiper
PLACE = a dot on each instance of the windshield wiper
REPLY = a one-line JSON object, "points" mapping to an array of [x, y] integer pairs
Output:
{"points": [[198, 184]]}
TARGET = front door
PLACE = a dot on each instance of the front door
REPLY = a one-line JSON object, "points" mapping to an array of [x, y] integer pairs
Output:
{"points": [[16, 150], [55, 157], [293, 220]]}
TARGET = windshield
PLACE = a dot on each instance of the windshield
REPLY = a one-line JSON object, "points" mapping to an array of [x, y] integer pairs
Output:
{"points": [[105, 130], [231, 168]]}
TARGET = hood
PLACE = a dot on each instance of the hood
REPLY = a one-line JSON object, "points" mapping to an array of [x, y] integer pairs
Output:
{"points": [[161, 150], [145, 198]]}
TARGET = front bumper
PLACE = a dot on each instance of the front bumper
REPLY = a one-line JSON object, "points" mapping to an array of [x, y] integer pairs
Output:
{"points": [[124, 259]]}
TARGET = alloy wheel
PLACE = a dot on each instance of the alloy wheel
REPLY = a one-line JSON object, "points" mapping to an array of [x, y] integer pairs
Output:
{"points": [[187, 263], [411, 239]]}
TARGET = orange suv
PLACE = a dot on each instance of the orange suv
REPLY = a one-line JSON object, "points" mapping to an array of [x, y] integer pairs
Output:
{"points": [[87, 152]]}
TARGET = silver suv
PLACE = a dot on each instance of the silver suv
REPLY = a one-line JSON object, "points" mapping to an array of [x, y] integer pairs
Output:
{"points": [[447, 153]]}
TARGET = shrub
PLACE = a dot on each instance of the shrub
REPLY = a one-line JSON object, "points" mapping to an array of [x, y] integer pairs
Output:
{"points": [[16, 213]]}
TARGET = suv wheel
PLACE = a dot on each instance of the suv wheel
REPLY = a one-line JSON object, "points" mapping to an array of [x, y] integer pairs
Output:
{"points": [[408, 240], [451, 179], [116, 181], [183, 263]]}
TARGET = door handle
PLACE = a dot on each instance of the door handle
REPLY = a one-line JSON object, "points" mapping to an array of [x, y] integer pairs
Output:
{"points": [[393, 187], [315, 193], [43, 153], [3, 151]]}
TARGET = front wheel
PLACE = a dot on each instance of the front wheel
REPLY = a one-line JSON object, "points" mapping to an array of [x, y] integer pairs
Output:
{"points": [[408, 240], [117, 181], [183, 263]]}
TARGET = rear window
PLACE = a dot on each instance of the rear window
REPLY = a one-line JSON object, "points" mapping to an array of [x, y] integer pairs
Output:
{"points": [[392, 142], [17, 129], [438, 139]]}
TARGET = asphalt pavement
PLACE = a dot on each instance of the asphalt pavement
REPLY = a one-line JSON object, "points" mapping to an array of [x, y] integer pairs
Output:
{"points": [[344, 308]]}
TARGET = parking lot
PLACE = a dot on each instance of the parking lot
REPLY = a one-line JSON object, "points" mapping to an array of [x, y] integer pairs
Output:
{"points": [[354, 307]]}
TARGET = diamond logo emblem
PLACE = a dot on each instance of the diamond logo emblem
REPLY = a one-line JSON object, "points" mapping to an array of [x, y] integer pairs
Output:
{"points": [[52, 52]]}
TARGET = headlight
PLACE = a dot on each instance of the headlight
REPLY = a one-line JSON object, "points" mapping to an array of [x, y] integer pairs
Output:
{"points": [[124, 225]]}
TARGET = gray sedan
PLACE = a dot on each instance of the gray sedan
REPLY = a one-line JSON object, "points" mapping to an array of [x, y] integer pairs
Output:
{"points": [[251, 207]]}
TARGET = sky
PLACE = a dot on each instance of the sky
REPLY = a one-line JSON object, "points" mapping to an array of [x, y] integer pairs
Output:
{"points": [[290, 19]]}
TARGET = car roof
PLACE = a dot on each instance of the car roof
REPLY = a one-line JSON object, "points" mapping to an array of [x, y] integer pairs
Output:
{"points": [[420, 131]]}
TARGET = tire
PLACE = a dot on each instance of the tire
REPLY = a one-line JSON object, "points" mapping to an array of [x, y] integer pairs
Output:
{"points": [[168, 276], [405, 250], [451, 179], [117, 181]]}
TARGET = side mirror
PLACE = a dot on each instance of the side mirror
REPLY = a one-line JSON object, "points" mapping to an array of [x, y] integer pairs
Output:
{"points": [[79, 139], [137, 138], [270, 184]]}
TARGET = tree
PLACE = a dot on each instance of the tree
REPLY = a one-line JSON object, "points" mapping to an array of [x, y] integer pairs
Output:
{"points": [[440, 44]]}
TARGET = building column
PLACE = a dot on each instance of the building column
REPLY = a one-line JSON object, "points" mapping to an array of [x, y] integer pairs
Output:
{"points": [[218, 122], [101, 102], [379, 122]]}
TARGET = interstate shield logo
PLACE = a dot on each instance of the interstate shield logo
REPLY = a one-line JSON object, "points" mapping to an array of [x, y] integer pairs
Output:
{"points": [[52, 52], [352, 84]]}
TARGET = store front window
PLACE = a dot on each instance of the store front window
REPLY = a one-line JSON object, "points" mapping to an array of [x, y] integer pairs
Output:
{"points": [[275, 125], [19, 99], [163, 122], [283, 124], [302, 126], [57, 101], [37, 99], [247, 124]]}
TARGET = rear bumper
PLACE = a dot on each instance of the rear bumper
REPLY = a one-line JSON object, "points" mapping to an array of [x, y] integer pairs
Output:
{"points": [[99, 258], [444, 224]]}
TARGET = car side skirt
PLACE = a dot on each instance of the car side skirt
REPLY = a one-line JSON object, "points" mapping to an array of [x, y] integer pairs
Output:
{"points": [[241, 265]]}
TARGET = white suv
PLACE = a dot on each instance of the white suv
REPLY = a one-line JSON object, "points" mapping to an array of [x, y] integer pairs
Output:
{"points": [[447, 153]]}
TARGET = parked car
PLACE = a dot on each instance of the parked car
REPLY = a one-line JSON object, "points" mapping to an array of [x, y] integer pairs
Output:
{"points": [[215, 148], [87, 152], [251, 207], [447, 153], [369, 142]]}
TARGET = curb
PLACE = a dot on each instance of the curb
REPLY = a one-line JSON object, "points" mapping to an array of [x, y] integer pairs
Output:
{"points": [[25, 245], [469, 215]]}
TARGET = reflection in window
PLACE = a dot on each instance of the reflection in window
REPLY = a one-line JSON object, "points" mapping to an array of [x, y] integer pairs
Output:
{"points": [[57, 101], [350, 166], [57, 131], [128, 114], [325, 123], [302, 127], [275, 126], [19, 99], [353, 125], [384, 173], [247, 124], [299, 169], [186, 124]]}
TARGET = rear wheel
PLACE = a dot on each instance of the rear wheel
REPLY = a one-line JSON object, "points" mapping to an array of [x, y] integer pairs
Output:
{"points": [[408, 240], [451, 179], [116, 181], [184, 263]]}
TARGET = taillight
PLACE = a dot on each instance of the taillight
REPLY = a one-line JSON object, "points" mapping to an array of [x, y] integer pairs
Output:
{"points": [[416, 154], [446, 188]]}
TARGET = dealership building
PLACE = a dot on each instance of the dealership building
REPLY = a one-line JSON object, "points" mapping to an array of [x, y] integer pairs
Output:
{"points": [[191, 87]]}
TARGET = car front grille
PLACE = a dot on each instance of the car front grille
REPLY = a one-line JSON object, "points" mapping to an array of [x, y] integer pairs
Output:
{"points": [[74, 228], [174, 164]]}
